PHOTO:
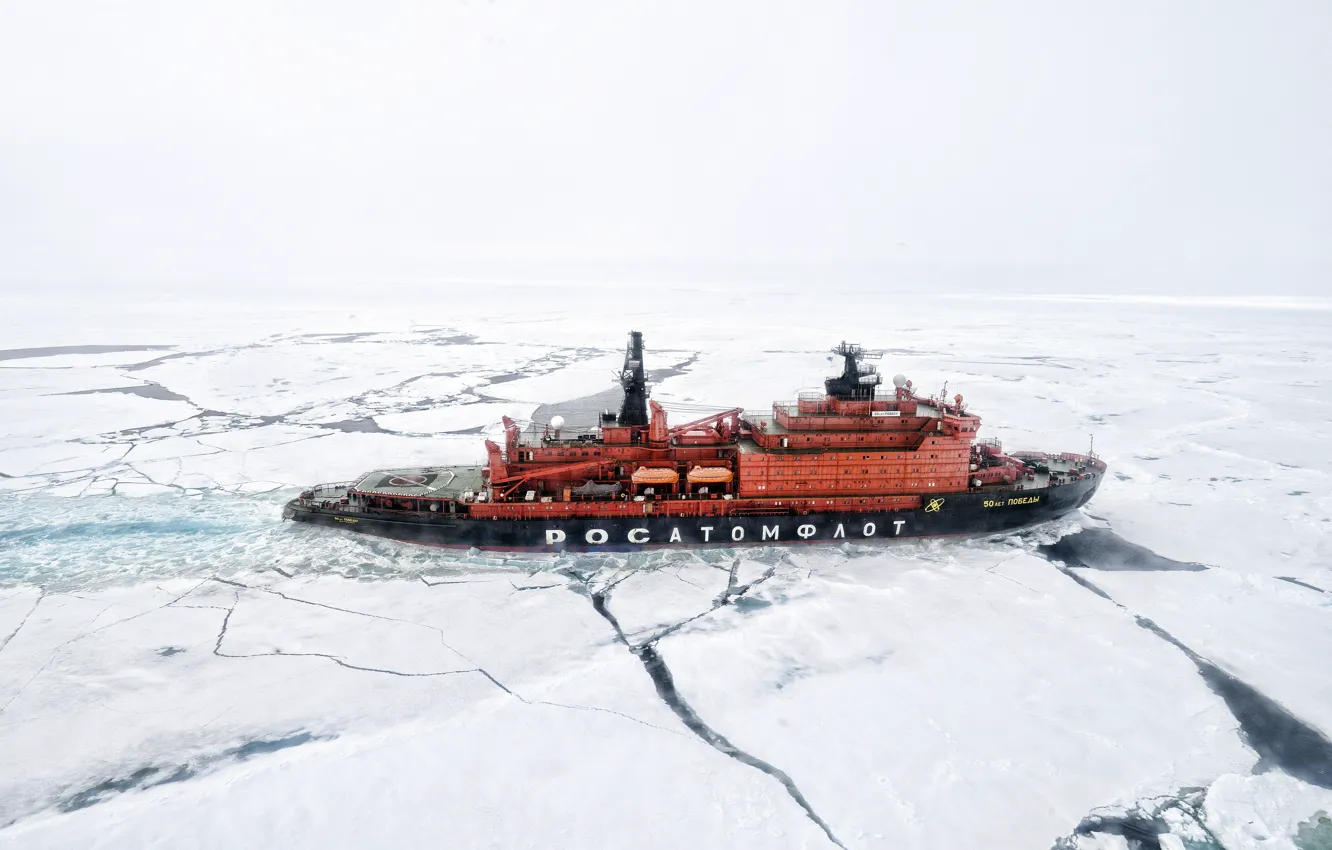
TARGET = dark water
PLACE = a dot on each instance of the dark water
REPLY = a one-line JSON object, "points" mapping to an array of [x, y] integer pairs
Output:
{"points": [[149, 390], [1140, 832], [154, 775], [581, 412], [354, 426], [586, 411], [1278, 737], [1304, 584], [57, 350], [1102, 549]]}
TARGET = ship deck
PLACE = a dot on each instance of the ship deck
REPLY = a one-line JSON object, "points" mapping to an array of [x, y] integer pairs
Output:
{"points": [[442, 482], [453, 482]]}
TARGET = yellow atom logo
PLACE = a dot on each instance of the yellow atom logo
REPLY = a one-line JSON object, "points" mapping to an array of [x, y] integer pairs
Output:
{"points": [[933, 506]]}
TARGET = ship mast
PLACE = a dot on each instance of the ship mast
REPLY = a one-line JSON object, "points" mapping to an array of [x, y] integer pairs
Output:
{"points": [[633, 411], [857, 382]]}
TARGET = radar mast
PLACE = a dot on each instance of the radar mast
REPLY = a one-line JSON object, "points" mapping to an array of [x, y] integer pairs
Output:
{"points": [[633, 411]]}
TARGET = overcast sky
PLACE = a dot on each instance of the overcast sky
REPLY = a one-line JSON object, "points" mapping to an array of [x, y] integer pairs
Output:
{"points": [[1149, 145]]}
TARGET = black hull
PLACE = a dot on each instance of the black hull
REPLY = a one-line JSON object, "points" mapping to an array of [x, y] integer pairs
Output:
{"points": [[951, 515]]}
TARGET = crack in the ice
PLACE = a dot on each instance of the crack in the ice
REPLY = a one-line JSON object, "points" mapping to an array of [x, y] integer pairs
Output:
{"points": [[732, 593], [52, 657], [525, 587], [40, 596], [226, 623], [297, 599], [1304, 584], [338, 660], [140, 614], [992, 572], [1269, 728], [476, 668], [664, 682], [428, 583], [665, 685]]}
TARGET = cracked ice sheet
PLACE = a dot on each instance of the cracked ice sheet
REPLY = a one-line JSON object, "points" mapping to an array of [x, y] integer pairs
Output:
{"points": [[508, 776], [1274, 635], [290, 375], [260, 459], [18, 382], [907, 685], [91, 693], [580, 379], [43, 419], [25, 460], [649, 600], [455, 417]]}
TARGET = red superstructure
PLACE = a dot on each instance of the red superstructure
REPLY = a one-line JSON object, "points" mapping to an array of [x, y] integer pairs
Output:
{"points": [[828, 467], [842, 450]]}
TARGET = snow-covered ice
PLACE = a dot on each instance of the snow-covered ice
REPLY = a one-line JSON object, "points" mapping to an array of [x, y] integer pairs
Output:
{"points": [[184, 669]]}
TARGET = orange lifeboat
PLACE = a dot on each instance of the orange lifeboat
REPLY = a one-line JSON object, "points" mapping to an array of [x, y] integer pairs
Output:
{"points": [[710, 475], [655, 475]]}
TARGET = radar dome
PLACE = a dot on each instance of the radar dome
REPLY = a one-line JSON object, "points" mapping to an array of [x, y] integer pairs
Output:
{"points": [[899, 381], [557, 422]]}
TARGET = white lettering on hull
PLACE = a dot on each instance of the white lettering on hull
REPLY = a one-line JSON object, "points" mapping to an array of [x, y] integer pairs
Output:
{"points": [[804, 531]]}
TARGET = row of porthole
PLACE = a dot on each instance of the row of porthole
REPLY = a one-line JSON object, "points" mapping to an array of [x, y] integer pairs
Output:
{"points": [[840, 458]]}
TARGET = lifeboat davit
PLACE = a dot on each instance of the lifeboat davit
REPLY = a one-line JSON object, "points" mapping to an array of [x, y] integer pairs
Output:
{"points": [[699, 437], [655, 475], [710, 475]]}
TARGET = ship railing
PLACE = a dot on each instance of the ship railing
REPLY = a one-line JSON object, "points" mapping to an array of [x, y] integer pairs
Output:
{"points": [[569, 436], [539, 433], [329, 488], [802, 407], [1091, 459]]}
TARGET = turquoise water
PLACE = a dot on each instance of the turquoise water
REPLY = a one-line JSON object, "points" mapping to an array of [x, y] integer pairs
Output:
{"points": [[64, 544]]}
